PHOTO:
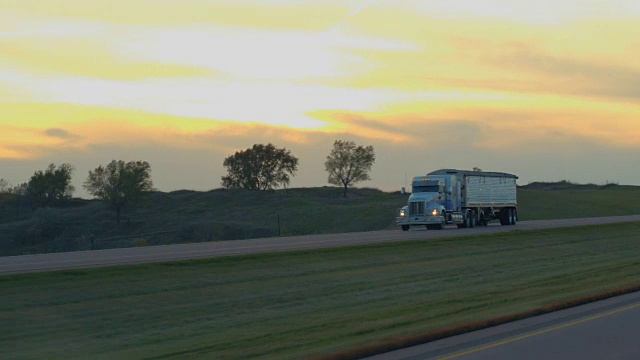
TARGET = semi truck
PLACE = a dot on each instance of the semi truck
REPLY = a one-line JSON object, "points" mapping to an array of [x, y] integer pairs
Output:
{"points": [[460, 197]]}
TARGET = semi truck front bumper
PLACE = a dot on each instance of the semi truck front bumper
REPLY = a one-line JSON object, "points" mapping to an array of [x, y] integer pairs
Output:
{"points": [[419, 220]]}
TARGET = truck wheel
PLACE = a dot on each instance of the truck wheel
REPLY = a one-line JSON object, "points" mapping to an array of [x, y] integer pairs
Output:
{"points": [[483, 221], [441, 225], [474, 219], [467, 219], [405, 227], [504, 217]]}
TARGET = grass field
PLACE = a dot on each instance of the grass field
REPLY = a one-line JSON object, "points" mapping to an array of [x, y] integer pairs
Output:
{"points": [[300, 304], [578, 202], [191, 216]]}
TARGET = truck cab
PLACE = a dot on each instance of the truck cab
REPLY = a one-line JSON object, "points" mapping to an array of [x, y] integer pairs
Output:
{"points": [[431, 199]]}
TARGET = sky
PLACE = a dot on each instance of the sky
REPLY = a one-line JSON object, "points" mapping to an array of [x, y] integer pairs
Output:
{"points": [[547, 90]]}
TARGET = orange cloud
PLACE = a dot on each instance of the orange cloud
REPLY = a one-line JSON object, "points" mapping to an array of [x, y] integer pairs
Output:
{"points": [[592, 58], [33, 130]]}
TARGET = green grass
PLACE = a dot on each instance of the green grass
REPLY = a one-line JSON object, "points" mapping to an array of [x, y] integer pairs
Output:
{"points": [[300, 304], [577, 203], [191, 216]]}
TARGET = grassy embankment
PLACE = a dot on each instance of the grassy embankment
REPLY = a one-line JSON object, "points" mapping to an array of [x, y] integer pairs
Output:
{"points": [[566, 201], [299, 304], [190, 216]]}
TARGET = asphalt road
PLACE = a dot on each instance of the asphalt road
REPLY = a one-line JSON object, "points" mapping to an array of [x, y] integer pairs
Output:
{"points": [[606, 329], [126, 256]]}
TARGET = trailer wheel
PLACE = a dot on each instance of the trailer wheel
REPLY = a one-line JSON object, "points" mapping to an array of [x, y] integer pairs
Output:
{"points": [[504, 216], [405, 227], [483, 220], [512, 216], [474, 219]]}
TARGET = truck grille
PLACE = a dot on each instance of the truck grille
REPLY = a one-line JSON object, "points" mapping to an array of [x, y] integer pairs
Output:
{"points": [[416, 209]]}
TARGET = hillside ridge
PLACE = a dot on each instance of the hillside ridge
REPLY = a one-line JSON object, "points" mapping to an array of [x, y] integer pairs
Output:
{"points": [[185, 216]]}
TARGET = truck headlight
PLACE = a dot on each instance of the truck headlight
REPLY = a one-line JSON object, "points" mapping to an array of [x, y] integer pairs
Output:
{"points": [[434, 212], [401, 212]]}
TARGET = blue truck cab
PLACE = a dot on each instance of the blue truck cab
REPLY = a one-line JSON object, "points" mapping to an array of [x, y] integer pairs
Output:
{"points": [[432, 197]]}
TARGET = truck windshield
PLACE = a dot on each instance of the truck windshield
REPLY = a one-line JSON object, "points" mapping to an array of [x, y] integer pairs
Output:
{"points": [[426, 189]]}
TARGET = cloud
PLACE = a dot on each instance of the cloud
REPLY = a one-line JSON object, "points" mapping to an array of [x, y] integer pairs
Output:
{"points": [[59, 133], [429, 84], [370, 127], [281, 14], [197, 71], [249, 53], [80, 48], [553, 156], [566, 75], [261, 102], [578, 58], [188, 153], [537, 13]]}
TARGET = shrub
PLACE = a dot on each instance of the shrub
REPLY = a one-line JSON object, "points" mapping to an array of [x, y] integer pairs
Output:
{"points": [[141, 242]]}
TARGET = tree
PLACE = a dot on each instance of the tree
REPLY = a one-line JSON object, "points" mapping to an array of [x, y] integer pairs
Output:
{"points": [[4, 186], [262, 167], [20, 192], [348, 164], [52, 186], [120, 183]]}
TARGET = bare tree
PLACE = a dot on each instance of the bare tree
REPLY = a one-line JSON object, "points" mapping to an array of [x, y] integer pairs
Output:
{"points": [[348, 164]]}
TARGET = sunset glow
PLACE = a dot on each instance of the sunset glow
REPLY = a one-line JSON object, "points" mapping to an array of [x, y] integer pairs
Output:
{"points": [[497, 84]]}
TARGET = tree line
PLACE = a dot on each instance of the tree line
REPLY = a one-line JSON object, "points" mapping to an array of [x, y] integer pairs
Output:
{"points": [[266, 167], [120, 184]]}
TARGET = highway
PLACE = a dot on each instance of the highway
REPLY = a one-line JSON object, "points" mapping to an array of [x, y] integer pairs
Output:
{"points": [[127, 256], [606, 329]]}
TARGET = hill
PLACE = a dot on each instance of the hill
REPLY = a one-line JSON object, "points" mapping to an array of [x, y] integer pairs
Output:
{"points": [[192, 216], [220, 215], [565, 200], [568, 185]]}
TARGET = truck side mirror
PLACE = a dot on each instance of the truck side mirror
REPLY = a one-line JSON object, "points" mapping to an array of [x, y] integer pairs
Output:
{"points": [[403, 191]]}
